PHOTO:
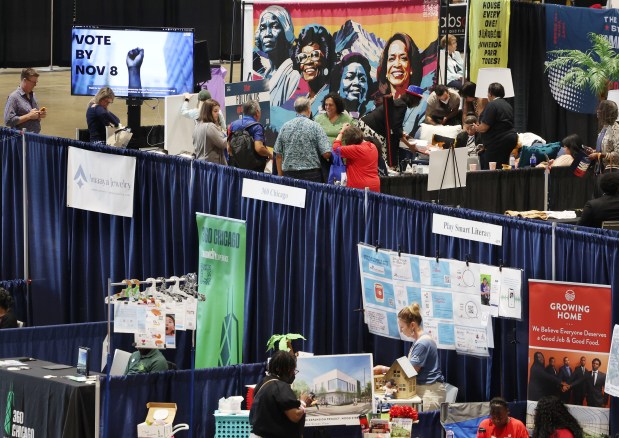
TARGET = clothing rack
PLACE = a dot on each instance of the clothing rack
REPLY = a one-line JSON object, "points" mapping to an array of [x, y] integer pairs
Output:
{"points": [[109, 301]]}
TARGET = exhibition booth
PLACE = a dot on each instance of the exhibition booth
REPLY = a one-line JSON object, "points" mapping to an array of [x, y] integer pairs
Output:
{"points": [[302, 270]]}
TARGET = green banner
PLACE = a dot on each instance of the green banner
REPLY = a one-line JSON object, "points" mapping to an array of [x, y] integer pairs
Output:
{"points": [[221, 278], [488, 34]]}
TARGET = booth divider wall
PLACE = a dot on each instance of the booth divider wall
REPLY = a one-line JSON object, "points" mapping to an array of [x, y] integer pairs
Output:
{"points": [[302, 273]]}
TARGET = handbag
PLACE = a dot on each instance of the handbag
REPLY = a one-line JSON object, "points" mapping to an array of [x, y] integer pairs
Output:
{"points": [[338, 167], [118, 137]]}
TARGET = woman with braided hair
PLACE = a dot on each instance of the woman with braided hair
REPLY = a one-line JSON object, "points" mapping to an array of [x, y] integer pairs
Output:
{"points": [[423, 355], [553, 420]]}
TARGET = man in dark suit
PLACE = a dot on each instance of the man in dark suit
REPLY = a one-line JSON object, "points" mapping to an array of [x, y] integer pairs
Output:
{"points": [[606, 207], [577, 384], [565, 374], [595, 381]]}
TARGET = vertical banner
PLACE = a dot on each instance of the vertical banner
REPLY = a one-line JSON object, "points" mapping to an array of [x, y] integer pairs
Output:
{"points": [[569, 344], [488, 34], [221, 278]]}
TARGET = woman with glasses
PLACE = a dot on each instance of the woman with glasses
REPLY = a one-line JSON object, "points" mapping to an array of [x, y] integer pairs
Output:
{"points": [[313, 56], [276, 412], [98, 116]]}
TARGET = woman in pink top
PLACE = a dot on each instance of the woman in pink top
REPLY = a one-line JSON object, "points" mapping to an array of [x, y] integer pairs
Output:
{"points": [[361, 158], [553, 420]]}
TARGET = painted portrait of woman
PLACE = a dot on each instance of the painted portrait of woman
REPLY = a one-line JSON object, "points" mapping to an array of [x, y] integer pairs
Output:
{"points": [[400, 65], [353, 81]]}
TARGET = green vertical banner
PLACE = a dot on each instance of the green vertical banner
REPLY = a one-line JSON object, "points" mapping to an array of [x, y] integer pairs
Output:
{"points": [[221, 278]]}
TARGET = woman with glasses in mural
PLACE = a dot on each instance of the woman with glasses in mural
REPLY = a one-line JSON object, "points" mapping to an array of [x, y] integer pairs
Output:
{"points": [[313, 56], [274, 37]]}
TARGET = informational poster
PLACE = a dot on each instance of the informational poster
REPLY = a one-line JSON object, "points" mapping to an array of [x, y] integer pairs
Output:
{"points": [[457, 299], [612, 379], [153, 333], [488, 34], [240, 92], [221, 278], [342, 386], [569, 341]]}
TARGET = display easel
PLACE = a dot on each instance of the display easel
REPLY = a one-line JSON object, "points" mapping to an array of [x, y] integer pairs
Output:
{"points": [[452, 162]]}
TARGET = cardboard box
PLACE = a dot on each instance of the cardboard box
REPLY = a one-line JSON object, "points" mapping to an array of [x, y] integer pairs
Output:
{"points": [[159, 421]]}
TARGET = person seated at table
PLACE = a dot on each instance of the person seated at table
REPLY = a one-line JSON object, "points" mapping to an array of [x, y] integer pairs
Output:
{"points": [[572, 145], [7, 318], [606, 207], [469, 137], [146, 361], [443, 107]]}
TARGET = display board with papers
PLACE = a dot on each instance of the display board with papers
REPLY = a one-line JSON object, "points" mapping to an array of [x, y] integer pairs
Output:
{"points": [[457, 299]]}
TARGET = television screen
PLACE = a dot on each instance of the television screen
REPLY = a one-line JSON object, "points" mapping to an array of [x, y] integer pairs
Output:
{"points": [[139, 63]]}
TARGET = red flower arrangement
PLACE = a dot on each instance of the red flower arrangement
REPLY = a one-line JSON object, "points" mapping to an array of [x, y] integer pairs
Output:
{"points": [[403, 412]]}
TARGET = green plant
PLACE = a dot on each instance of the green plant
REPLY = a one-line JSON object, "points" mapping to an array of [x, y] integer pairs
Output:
{"points": [[283, 342], [592, 69]]}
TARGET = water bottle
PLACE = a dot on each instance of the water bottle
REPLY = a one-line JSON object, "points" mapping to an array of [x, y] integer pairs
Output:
{"points": [[512, 161], [533, 161]]}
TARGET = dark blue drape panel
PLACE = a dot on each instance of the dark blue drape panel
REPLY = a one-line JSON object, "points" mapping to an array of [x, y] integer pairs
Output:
{"points": [[129, 395], [11, 205]]}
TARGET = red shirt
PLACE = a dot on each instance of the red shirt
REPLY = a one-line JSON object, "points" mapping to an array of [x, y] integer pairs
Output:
{"points": [[361, 164], [513, 429]]}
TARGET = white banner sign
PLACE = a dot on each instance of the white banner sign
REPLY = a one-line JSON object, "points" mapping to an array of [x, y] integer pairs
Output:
{"points": [[280, 194], [100, 182], [466, 229]]}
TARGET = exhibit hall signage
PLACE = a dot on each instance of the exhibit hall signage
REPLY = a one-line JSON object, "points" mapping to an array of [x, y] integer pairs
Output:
{"points": [[467, 229], [569, 344], [221, 278], [488, 34], [277, 193], [99, 182]]}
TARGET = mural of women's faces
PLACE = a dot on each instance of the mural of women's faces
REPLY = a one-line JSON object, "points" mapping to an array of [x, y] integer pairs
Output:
{"points": [[314, 51], [352, 79], [274, 35]]}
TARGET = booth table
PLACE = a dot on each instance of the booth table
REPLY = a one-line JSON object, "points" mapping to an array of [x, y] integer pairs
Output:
{"points": [[47, 407], [496, 191]]}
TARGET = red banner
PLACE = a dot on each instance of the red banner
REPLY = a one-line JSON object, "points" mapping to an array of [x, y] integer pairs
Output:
{"points": [[569, 341]]}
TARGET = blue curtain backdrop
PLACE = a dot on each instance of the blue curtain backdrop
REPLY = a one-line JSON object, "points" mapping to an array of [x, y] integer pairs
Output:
{"points": [[302, 274]]}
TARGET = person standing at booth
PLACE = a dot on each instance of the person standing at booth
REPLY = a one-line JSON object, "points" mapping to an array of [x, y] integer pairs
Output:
{"points": [[22, 109], [497, 128], [423, 355], [98, 116]]}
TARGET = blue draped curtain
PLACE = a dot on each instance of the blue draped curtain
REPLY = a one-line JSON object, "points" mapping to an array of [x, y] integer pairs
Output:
{"points": [[302, 268]]}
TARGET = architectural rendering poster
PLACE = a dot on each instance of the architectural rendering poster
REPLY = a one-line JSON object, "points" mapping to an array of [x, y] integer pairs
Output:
{"points": [[351, 39], [457, 298], [221, 278], [569, 341], [342, 386]]}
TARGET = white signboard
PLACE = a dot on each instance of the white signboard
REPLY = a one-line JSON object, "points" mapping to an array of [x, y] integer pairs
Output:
{"points": [[467, 229], [100, 182], [280, 194]]}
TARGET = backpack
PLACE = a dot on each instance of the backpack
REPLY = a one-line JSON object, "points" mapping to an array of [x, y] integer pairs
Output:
{"points": [[243, 154]]}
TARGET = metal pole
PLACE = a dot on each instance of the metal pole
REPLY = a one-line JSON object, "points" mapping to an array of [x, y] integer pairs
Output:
{"points": [[106, 405], [546, 178], [554, 255], [242, 38], [467, 73], [25, 226], [232, 40], [51, 39]]}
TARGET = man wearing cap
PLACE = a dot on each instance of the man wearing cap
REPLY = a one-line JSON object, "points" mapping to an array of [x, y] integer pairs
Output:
{"points": [[443, 107], [387, 120], [194, 113]]}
